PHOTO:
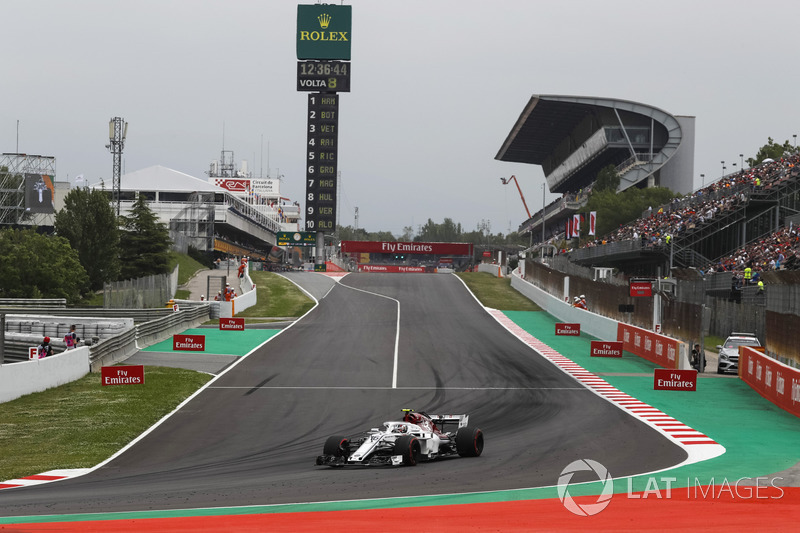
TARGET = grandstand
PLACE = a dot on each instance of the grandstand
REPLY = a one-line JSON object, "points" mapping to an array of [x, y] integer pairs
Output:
{"points": [[574, 137], [708, 226]]}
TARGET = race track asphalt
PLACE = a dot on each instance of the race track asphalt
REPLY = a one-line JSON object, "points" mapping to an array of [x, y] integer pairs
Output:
{"points": [[250, 437]]}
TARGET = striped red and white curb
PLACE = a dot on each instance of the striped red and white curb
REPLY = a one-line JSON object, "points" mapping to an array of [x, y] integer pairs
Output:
{"points": [[667, 425], [46, 477]]}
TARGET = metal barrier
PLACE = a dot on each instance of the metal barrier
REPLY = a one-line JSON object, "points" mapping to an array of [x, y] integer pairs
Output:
{"points": [[33, 302], [163, 324], [138, 315], [123, 346]]}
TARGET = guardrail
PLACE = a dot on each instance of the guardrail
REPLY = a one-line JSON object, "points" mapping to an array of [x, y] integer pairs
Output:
{"points": [[165, 323], [123, 346], [32, 302], [138, 315]]}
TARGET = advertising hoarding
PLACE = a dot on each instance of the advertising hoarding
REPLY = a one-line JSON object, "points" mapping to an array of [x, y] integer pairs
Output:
{"points": [[382, 247], [324, 31], [191, 343], [39, 193], [122, 375]]}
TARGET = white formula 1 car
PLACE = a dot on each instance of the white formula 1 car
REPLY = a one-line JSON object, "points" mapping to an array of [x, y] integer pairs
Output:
{"points": [[417, 437]]}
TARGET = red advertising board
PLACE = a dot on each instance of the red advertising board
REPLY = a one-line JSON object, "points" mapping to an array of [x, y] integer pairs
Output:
{"points": [[606, 349], [641, 288], [381, 247], [649, 345], [773, 380], [563, 328], [192, 343], [671, 379], [231, 324], [393, 268], [122, 375]]}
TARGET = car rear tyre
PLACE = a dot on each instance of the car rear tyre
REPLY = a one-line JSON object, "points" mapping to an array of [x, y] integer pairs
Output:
{"points": [[337, 446], [469, 442], [409, 448]]}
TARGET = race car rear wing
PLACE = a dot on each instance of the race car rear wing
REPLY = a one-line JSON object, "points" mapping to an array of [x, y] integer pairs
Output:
{"points": [[443, 420]]}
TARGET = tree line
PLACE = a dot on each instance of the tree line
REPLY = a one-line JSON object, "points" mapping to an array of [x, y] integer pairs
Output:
{"points": [[446, 231], [90, 246]]}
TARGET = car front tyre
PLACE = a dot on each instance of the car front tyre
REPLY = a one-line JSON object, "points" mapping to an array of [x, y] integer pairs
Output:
{"points": [[409, 448], [337, 446]]}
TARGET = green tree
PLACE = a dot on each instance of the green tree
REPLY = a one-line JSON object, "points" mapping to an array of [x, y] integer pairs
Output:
{"points": [[38, 266], [349, 233], [144, 242], [607, 179], [616, 209], [447, 231], [771, 150], [88, 222], [408, 234]]}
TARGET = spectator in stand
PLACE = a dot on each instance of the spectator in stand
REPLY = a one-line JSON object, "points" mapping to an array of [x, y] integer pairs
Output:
{"points": [[687, 213]]}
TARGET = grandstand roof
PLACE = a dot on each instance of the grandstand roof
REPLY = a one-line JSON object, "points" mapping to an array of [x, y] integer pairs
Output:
{"points": [[159, 178], [541, 126], [573, 137]]}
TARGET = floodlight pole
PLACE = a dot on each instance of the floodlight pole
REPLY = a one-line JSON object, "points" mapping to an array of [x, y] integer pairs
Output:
{"points": [[117, 131]]}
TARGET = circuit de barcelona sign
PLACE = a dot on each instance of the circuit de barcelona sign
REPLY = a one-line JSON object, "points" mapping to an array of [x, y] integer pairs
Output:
{"points": [[324, 31]]}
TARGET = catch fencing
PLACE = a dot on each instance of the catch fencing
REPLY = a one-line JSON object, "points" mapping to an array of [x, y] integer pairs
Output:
{"points": [[141, 293]]}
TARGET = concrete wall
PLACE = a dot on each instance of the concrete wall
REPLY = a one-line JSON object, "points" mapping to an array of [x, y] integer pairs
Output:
{"points": [[19, 379], [678, 173], [593, 324], [495, 270]]}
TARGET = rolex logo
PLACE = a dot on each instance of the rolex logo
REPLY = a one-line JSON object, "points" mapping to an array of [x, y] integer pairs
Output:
{"points": [[324, 19]]}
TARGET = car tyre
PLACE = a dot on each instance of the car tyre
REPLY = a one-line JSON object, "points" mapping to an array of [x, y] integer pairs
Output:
{"points": [[469, 442], [409, 448], [337, 446]]}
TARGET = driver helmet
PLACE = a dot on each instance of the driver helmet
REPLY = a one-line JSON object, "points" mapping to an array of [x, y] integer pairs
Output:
{"points": [[413, 418], [46, 340], [577, 299]]}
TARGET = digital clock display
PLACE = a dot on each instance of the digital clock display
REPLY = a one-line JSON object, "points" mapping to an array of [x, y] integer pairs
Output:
{"points": [[323, 76]]}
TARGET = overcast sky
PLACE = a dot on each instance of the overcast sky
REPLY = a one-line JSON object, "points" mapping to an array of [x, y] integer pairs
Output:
{"points": [[436, 88]]}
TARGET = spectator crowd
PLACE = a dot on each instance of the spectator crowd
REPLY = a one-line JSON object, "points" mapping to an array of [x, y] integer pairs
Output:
{"points": [[778, 250]]}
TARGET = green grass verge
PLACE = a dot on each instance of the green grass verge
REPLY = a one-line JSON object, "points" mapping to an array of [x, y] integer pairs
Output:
{"points": [[277, 297], [82, 423], [188, 266], [712, 341], [496, 293], [94, 299], [183, 294]]}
